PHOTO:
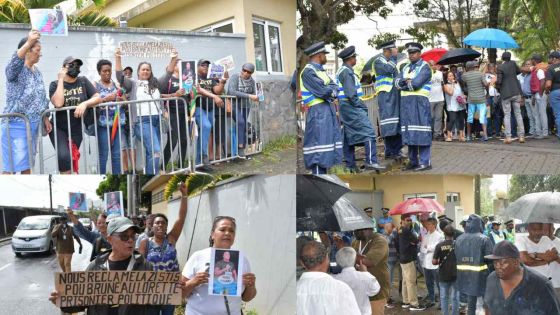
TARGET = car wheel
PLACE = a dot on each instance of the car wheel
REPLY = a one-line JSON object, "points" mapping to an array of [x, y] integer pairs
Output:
{"points": [[18, 255]]}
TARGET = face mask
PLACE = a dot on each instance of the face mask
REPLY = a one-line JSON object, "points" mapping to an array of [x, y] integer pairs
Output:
{"points": [[73, 72]]}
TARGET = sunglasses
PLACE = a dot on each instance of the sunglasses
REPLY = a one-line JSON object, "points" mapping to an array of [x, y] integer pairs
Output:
{"points": [[220, 217], [124, 237], [247, 71]]}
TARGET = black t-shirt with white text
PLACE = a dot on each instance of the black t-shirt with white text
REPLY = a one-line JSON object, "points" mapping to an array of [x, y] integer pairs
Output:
{"points": [[74, 94], [208, 85], [173, 86], [445, 253]]}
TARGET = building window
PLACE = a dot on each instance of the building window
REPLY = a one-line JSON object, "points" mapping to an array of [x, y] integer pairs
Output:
{"points": [[268, 53], [453, 197], [425, 195], [157, 197], [221, 27]]}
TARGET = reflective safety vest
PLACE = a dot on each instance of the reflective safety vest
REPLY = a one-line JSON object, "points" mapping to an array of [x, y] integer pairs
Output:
{"points": [[307, 97], [357, 85], [510, 236], [497, 237], [425, 90], [383, 83], [401, 64]]}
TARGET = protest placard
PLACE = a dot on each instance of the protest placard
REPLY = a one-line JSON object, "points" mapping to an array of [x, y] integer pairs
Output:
{"points": [[114, 204], [50, 22], [260, 91], [227, 63], [215, 71], [187, 75], [106, 287], [225, 272], [146, 49], [78, 202]]}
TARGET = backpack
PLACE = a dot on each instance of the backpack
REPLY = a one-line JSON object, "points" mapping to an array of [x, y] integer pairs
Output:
{"points": [[535, 82]]}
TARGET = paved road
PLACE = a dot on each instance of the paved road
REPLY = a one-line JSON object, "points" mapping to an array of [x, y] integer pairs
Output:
{"points": [[492, 157], [27, 282]]}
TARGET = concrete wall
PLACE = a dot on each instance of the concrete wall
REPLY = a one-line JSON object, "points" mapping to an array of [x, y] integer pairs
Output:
{"points": [[264, 208], [91, 44]]}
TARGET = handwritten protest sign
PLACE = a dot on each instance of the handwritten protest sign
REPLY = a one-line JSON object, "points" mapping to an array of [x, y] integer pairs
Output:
{"points": [[78, 202], [86, 288], [146, 49], [50, 22], [227, 63], [225, 272]]}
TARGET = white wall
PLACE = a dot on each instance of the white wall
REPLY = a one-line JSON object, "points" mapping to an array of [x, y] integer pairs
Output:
{"points": [[265, 211]]}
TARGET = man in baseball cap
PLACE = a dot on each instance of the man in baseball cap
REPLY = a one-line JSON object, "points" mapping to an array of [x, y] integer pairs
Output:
{"points": [[514, 289]]}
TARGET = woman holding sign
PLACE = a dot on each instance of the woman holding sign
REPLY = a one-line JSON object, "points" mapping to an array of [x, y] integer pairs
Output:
{"points": [[196, 275], [146, 115], [160, 249]]}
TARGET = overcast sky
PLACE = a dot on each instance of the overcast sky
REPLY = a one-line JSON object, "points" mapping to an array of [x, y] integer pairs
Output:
{"points": [[33, 190]]}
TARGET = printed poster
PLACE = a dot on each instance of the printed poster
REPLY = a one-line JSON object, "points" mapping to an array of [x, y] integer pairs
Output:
{"points": [[187, 75], [215, 71], [227, 63], [260, 91], [78, 202], [114, 204], [226, 277], [49, 22]]}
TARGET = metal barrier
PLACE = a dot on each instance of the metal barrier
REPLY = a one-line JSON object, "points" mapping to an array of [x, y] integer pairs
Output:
{"points": [[369, 98], [5, 120], [178, 144]]}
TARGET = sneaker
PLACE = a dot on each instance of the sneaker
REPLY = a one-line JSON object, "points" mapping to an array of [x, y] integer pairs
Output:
{"points": [[405, 305], [468, 139], [485, 138], [429, 304], [417, 308], [204, 168], [388, 305]]}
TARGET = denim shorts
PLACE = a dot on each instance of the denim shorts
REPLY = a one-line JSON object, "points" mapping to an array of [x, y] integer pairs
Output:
{"points": [[481, 109]]}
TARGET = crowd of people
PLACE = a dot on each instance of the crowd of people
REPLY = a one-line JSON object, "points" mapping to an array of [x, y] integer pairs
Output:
{"points": [[120, 244], [118, 127], [421, 101], [481, 266]]}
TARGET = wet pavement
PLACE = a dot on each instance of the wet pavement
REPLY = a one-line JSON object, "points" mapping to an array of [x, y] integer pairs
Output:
{"points": [[27, 281]]}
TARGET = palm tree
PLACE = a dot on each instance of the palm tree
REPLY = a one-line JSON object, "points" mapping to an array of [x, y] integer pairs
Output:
{"points": [[196, 183], [16, 11]]}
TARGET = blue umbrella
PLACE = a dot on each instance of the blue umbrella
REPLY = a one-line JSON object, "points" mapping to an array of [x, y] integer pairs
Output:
{"points": [[490, 38]]}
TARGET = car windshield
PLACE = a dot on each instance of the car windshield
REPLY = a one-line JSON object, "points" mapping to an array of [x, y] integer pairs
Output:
{"points": [[34, 224]]}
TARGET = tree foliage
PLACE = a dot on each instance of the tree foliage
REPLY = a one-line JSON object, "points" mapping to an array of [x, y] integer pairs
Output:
{"points": [[196, 183], [534, 25], [486, 198], [525, 184], [17, 11]]}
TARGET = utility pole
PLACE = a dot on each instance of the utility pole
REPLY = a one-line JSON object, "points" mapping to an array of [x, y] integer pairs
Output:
{"points": [[50, 191], [131, 183]]}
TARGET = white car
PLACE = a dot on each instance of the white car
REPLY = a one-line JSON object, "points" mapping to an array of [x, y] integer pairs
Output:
{"points": [[33, 235]]}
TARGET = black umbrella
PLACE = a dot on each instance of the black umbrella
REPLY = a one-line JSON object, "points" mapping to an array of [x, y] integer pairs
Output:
{"points": [[458, 55], [321, 208]]}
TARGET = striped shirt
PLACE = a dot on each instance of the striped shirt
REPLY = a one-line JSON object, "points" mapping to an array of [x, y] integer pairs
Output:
{"points": [[474, 87], [393, 256]]}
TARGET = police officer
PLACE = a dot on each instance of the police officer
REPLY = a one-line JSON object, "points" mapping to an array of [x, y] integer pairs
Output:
{"points": [[509, 232], [415, 112], [388, 99], [354, 114], [322, 142], [496, 235]]}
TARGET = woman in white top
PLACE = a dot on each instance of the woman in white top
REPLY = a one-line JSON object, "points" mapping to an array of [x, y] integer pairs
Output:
{"points": [[195, 275], [455, 110], [146, 115]]}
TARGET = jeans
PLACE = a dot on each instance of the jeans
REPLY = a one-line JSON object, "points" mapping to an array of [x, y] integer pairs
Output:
{"points": [[445, 290], [15, 148], [507, 105], [471, 310], [103, 142], [391, 267], [163, 310], [204, 120], [63, 150], [497, 116], [241, 115], [147, 129], [540, 106], [555, 104], [432, 282], [534, 121]]}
